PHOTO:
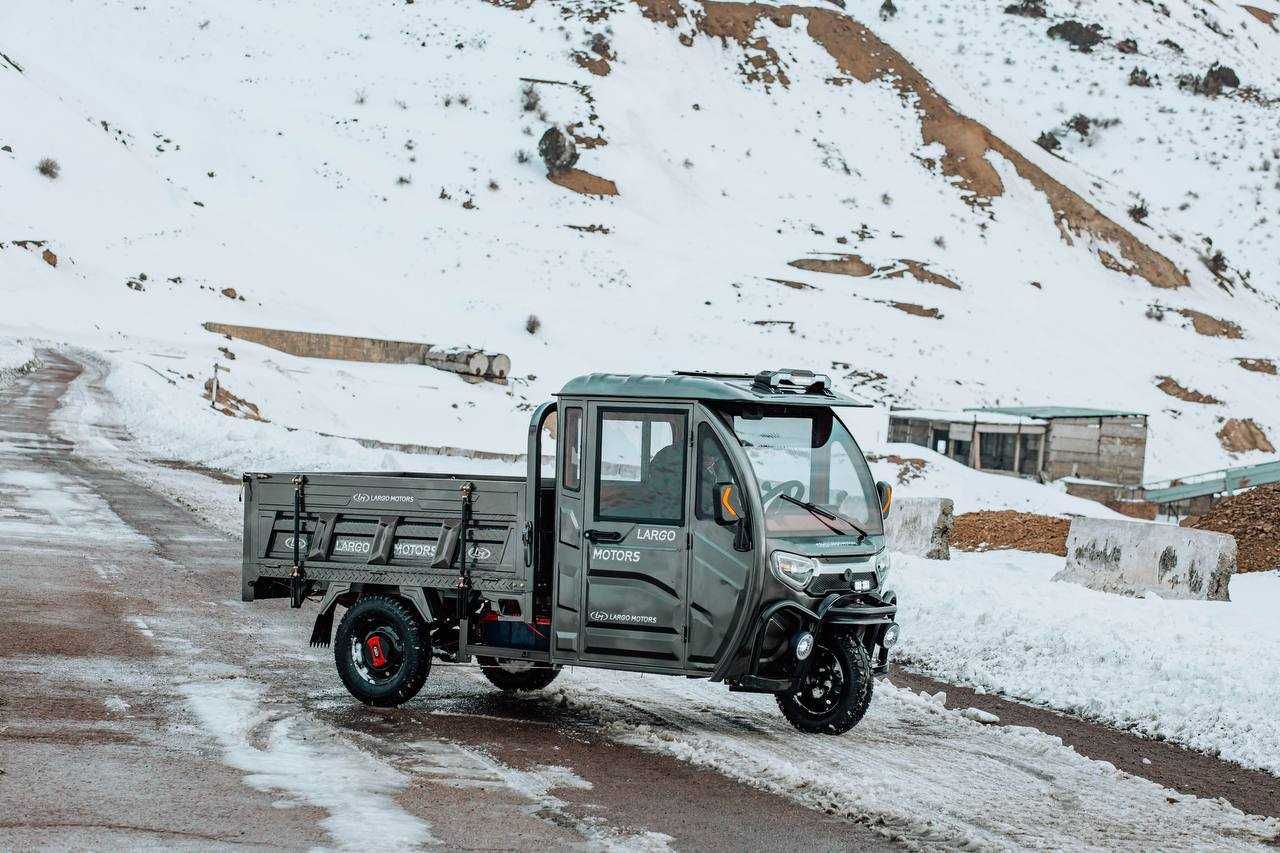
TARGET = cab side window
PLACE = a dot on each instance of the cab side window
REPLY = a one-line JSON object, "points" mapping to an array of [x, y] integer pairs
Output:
{"points": [[713, 467], [572, 478], [640, 466]]}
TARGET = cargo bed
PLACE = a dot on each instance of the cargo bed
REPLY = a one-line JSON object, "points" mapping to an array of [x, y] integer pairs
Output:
{"points": [[384, 528]]}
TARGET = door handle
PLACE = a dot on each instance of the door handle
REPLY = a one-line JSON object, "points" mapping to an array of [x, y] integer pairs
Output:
{"points": [[603, 536]]}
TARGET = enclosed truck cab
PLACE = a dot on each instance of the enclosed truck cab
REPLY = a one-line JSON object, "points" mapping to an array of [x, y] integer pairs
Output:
{"points": [[704, 525]]}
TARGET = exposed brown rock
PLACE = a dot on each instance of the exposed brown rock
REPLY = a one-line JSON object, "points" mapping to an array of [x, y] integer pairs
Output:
{"points": [[921, 272], [1206, 324], [231, 405], [862, 55], [1258, 365], [838, 265], [1171, 386], [49, 258], [917, 310], [794, 285], [1268, 18], [597, 65], [909, 468], [584, 182], [1242, 435]]}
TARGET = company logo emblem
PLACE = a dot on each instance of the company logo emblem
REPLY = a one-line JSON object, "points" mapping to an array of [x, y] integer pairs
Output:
{"points": [[366, 498], [622, 618]]}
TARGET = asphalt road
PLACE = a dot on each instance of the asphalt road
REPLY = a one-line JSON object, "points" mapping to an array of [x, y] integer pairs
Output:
{"points": [[123, 619], [144, 705]]}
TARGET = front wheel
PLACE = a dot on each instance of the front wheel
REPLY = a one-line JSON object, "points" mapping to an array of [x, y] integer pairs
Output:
{"points": [[518, 674], [382, 650], [835, 691]]}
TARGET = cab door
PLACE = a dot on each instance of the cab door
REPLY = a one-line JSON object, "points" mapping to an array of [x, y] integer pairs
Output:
{"points": [[635, 537], [720, 575]]}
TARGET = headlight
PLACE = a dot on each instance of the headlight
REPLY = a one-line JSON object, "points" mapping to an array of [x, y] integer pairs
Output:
{"points": [[792, 569], [882, 567]]}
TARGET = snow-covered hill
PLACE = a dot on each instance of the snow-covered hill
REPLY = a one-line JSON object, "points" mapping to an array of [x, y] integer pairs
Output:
{"points": [[795, 185]]}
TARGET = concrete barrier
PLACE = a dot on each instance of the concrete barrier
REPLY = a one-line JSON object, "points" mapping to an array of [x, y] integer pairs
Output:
{"points": [[1134, 557], [920, 526]]}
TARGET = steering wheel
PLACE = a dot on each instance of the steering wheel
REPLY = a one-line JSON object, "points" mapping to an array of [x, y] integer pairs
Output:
{"points": [[793, 489]]}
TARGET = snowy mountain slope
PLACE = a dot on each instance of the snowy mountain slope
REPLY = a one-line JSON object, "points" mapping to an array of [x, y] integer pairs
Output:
{"points": [[360, 171]]}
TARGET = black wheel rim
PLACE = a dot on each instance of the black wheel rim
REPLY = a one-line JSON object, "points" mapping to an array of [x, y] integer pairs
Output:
{"points": [[824, 685], [377, 650]]}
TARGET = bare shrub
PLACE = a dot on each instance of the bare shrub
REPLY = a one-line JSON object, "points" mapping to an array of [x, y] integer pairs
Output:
{"points": [[49, 168], [531, 98]]}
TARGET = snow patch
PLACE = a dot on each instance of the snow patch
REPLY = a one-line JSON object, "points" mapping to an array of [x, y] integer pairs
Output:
{"points": [[1202, 674], [306, 763]]}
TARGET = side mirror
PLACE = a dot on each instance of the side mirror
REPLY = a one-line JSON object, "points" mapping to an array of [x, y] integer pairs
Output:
{"points": [[885, 491]]}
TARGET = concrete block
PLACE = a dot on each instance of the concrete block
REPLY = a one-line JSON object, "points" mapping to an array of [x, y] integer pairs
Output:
{"points": [[1134, 557], [920, 526]]}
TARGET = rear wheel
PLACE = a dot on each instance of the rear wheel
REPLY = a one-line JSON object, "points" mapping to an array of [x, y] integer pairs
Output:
{"points": [[518, 674], [836, 689], [382, 650]]}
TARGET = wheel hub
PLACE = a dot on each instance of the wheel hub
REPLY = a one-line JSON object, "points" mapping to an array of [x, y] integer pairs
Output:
{"points": [[377, 656]]}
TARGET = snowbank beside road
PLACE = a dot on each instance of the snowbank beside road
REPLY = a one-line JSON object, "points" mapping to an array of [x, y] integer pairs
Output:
{"points": [[16, 357], [913, 770], [1202, 674]]}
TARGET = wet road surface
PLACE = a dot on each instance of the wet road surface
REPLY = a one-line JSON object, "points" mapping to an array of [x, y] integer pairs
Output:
{"points": [[145, 705]]}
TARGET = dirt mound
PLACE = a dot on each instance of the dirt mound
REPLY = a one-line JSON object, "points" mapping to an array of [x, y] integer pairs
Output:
{"points": [[1253, 517], [992, 530]]}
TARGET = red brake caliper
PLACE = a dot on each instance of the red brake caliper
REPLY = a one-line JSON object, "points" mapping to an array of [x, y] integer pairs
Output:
{"points": [[376, 654]]}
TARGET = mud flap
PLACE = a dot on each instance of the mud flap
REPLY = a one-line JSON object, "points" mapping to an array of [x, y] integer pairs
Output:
{"points": [[322, 633]]}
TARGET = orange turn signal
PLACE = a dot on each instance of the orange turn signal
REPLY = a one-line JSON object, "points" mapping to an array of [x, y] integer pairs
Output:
{"points": [[725, 494]]}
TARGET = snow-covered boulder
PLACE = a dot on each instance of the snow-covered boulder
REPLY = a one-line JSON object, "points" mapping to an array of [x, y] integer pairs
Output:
{"points": [[920, 526], [1135, 557]]}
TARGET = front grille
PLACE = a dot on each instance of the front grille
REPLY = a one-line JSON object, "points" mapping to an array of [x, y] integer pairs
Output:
{"points": [[835, 582]]}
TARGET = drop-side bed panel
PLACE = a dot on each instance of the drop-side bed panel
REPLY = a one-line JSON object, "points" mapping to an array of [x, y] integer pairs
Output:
{"points": [[383, 528]]}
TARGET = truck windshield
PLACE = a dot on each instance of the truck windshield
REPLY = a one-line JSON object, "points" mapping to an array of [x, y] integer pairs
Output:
{"points": [[807, 456]]}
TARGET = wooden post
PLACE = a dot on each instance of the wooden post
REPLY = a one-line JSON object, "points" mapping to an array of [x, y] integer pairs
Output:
{"points": [[213, 391]]}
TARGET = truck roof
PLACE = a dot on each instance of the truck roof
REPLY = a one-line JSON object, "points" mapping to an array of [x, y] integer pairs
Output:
{"points": [[787, 387]]}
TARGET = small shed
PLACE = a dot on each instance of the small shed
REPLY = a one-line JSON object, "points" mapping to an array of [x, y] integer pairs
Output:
{"points": [[991, 441], [1104, 446], [1108, 445]]}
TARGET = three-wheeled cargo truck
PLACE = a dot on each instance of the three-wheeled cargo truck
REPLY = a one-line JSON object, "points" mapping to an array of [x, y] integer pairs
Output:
{"points": [[716, 526]]}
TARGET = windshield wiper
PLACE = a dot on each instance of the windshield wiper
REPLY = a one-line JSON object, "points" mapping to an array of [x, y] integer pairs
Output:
{"points": [[823, 515]]}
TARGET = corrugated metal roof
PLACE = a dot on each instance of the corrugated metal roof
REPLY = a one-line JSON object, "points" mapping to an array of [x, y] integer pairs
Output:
{"points": [[967, 416], [1050, 412], [726, 388]]}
